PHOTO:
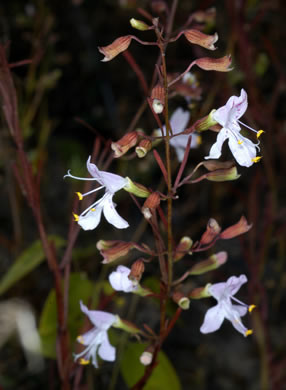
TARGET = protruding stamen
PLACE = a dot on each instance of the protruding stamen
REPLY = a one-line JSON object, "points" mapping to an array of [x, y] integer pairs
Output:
{"points": [[240, 142], [80, 196], [80, 339], [76, 217], [256, 159], [251, 307], [93, 209], [259, 133], [248, 332], [84, 362]]}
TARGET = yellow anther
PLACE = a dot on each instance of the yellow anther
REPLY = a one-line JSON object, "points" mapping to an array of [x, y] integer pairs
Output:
{"points": [[251, 307], [199, 140], [76, 217], [248, 332], [80, 339], [80, 196], [93, 209], [240, 142], [84, 362], [259, 133], [256, 159]]}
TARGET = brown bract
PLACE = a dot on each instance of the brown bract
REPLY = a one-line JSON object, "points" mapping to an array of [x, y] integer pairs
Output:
{"points": [[218, 64], [198, 38], [116, 47]]}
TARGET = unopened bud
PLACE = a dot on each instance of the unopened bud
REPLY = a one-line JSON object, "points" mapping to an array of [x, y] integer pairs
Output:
{"points": [[207, 16], [105, 244], [125, 143], [181, 300], [150, 204], [213, 262], [159, 6], [143, 148], [158, 99], [137, 270], [198, 38], [217, 64], [114, 252], [205, 123], [213, 165], [116, 47], [139, 24], [183, 248], [147, 356], [235, 230], [136, 189], [200, 292], [223, 175], [212, 230]]}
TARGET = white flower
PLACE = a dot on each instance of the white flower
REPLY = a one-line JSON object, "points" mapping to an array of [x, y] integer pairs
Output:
{"points": [[178, 122], [96, 339], [119, 280], [224, 293], [243, 150], [90, 218]]}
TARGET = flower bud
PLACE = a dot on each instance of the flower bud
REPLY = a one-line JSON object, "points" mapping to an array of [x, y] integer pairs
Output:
{"points": [[158, 99], [200, 292], [223, 175], [125, 143], [217, 64], [198, 38], [150, 204], [114, 252], [147, 356], [205, 123], [235, 230], [213, 165], [213, 229], [136, 189], [105, 244], [139, 24], [116, 47], [183, 248], [207, 16], [182, 301], [213, 262], [143, 148], [137, 270], [159, 6]]}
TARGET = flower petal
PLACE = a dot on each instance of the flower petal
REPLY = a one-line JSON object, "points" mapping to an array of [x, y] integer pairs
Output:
{"points": [[100, 319], [119, 279], [110, 181], [179, 120], [243, 153], [234, 317], [106, 351], [213, 319], [90, 220], [228, 114], [234, 283], [215, 151], [111, 214]]}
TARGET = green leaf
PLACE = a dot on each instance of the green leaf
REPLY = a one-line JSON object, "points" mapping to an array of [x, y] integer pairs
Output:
{"points": [[163, 377], [26, 262], [80, 288]]}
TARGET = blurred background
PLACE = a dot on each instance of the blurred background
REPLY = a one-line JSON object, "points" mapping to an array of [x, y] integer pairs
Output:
{"points": [[67, 99]]}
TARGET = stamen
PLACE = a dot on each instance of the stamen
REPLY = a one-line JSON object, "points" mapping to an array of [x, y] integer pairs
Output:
{"points": [[93, 209], [240, 142], [80, 196], [199, 140], [256, 159], [80, 339], [84, 362], [76, 217], [251, 307], [248, 332], [259, 133], [79, 178]]}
